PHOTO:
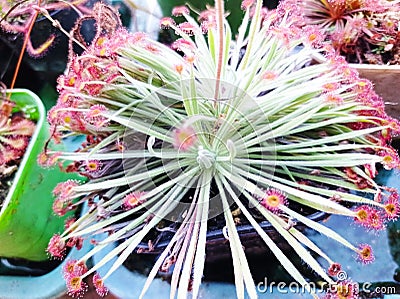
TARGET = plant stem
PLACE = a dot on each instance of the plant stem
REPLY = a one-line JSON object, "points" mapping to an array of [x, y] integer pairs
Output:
{"points": [[219, 6], [21, 54]]}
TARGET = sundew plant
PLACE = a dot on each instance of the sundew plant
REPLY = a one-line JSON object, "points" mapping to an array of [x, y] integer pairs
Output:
{"points": [[15, 131], [362, 31], [18, 17], [184, 133]]}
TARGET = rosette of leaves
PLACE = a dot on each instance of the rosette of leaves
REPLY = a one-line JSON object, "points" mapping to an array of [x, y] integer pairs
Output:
{"points": [[251, 121]]}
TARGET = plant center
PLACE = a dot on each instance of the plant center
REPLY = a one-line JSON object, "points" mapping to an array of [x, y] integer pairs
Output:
{"points": [[205, 158]]}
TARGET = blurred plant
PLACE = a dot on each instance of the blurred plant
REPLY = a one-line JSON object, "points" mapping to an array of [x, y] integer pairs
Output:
{"points": [[144, 15], [233, 14], [362, 31], [254, 123], [19, 16], [15, 131]]}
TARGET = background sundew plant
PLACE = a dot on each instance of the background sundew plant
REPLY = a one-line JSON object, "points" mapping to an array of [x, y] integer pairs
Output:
{"points": [[183, 133], [18, 17], [362, 31], [16, 130]]}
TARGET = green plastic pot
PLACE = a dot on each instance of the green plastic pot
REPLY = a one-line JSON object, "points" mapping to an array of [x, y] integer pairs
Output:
{"points": [[27, 221], [49, 285]]}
